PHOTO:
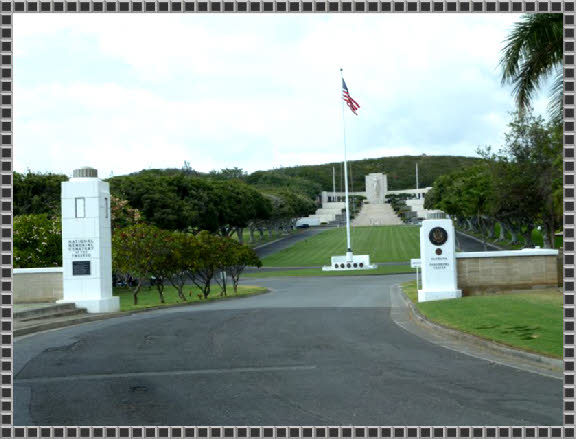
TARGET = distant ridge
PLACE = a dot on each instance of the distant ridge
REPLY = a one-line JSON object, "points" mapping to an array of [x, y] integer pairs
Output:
{"points": [[400, 170]]}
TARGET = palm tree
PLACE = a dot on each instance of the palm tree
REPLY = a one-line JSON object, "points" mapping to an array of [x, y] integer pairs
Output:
{"points": [[533, 52]]}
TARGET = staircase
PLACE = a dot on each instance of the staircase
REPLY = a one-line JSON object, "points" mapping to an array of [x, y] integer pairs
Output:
{"points": [[34, 317], [376, 215]]}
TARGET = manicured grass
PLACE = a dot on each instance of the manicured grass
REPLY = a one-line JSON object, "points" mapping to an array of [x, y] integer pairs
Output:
{"points": [[383, 244], [530, 320], [387, 269], [149, 298]]}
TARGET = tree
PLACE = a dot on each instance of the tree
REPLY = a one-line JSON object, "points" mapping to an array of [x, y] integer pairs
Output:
{"points": [[532, 53], [134, 249], [207, 261], [240, 258], [36, 193], [37, 241], [535, 146], [183, 252], [229, 174], [121, 214]]}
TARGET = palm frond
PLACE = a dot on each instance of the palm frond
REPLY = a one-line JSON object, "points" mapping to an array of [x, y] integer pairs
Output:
{"points": [[532, 51], [555, 106]]}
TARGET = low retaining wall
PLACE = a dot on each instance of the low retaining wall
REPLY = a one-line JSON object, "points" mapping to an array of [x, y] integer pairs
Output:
{"points": [[37, 284], [504, 270]]}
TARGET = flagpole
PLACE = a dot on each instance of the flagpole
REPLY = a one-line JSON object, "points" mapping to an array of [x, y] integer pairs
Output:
{"points": [[348, 245]]}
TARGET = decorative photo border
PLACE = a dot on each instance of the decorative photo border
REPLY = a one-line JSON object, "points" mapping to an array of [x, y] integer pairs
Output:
{"points": [[8, 8]]}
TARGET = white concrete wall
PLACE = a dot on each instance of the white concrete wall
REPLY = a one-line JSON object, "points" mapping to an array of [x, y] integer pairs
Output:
{"points": [[37, 285]]}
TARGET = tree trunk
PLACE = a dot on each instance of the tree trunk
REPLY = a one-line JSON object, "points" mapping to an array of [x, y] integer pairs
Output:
{"points": [[513, 235], [160, 287], [502, 236], [135, 293], [527, 235], [491, 232], [206, 289], [548, 233], [251, 235], [223, 293], [482, 230], [240, 233], [261, 231]]}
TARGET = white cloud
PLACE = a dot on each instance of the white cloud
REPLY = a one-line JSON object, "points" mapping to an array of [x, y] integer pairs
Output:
{"points": [[257, 91]]}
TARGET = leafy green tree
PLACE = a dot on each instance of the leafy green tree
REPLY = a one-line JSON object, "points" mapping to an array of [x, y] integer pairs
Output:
{"points": [[240, 258], [229, 174], [162, 264], [207, 261], [533, 52], [37, 241], [37, 193], [183, 251], [121, 214], [134, 250], [535, 146]]}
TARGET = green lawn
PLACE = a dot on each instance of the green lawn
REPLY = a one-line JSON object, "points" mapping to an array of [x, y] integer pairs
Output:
{"points": [[387, 269], [531, 321], [149, 298], [383, 244]]}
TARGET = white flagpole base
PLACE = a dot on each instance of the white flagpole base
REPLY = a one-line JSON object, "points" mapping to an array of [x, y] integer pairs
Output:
{"points": [[349, 261]]}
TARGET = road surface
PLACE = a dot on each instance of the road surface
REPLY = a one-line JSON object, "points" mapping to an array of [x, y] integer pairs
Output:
{"points": [[313, 351]]}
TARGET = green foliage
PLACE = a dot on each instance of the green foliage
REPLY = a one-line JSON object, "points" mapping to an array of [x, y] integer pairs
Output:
{"points": [[121, 214], [134, 252], [278, 180], [240, 257], [533, 52], [401, 172], [37, 193], [520, 187], [37, 241], [228, 174]]}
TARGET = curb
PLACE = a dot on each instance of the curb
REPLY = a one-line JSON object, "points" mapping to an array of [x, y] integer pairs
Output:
{"points": [[87, 318], [419, 318]]}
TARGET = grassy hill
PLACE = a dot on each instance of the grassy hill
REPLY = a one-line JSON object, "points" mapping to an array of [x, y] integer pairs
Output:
{"points": [[401, 171]]}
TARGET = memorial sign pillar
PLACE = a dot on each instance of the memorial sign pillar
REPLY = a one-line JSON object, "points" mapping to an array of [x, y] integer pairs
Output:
{"points": [[87, 243], [438, 261]]}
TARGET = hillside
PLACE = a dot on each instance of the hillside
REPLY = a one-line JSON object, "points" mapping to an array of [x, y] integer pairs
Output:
{"points": [[400, 170]]}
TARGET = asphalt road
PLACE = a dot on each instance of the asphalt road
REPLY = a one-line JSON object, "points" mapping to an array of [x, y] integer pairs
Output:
{"points": [[314, 351]]}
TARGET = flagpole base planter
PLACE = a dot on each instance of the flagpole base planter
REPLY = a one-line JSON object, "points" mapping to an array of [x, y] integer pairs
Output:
{"points": [[429, 296], [349, 261]]}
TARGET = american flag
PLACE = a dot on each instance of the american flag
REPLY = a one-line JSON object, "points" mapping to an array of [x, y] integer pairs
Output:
{"points": [[348, 99]]}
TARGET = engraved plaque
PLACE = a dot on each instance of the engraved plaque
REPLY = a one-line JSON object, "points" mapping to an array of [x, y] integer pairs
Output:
{"points": [[80, 268]]}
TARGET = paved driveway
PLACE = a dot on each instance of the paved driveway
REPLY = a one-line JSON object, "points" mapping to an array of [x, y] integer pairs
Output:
{"points": [[314, 351]]}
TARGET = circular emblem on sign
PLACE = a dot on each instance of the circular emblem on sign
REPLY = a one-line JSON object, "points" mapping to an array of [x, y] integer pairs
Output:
{"points": [[438, 251], [438, 236]]}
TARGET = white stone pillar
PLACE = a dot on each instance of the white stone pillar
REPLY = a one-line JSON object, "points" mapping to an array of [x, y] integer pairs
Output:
{"points": [[87, 243], [438, 261], [376, 188]]}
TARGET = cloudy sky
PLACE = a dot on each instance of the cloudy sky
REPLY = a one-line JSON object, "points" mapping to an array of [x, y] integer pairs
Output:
{"points": [[123, 93]]}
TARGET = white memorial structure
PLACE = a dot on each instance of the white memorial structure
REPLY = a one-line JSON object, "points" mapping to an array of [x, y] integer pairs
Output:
{"points": [[438, 261], [87, 243]]}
